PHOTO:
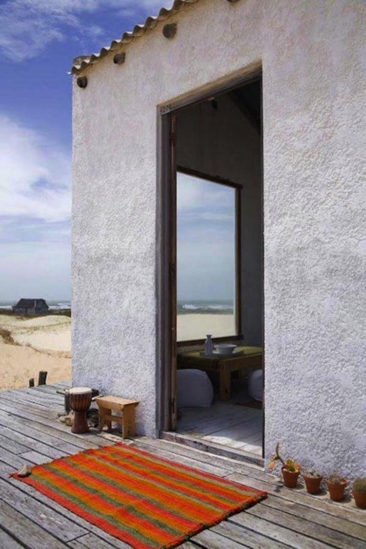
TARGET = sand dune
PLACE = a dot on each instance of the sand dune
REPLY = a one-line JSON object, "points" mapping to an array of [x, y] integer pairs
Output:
{"points": [[28, 345], [19, 364], [50, 338]]}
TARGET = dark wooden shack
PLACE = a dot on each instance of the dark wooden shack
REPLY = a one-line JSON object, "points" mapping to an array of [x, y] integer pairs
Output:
{"points": [[31, 306]]}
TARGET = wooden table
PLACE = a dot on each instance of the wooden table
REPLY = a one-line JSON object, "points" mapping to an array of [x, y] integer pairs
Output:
{"points": [[249, 358]]}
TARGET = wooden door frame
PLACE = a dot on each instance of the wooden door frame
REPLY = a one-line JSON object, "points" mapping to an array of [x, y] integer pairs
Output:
{"points": [[166, 301], [166, 274]]}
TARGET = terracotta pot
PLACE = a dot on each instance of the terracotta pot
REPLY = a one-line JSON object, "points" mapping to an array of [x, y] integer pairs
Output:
{"points": [[312, 484], [290, 477], [336, 491], [360, 498]]}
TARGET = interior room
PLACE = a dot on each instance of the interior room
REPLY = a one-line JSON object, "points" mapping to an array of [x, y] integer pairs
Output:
{"points": [[220, 270]]}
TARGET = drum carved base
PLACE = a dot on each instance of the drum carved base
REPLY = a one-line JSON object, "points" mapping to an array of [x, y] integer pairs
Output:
{"points": [[80, 400]]}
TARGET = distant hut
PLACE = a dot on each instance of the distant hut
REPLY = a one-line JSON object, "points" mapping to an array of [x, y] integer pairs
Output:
{"points": [[31, 307]]}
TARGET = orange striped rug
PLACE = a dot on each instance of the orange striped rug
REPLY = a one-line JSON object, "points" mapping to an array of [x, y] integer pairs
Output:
{"points": [[144, 500]]}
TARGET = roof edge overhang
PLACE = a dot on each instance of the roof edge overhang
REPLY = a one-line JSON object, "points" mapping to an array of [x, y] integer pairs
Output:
{"points": [[83, 61]]}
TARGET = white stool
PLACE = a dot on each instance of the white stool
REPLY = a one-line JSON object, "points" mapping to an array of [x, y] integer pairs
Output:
{"points": [[194, 389], [255, 385]]}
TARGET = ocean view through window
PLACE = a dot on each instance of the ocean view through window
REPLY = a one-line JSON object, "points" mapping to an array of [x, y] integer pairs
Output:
{"points": [[206, 261]]}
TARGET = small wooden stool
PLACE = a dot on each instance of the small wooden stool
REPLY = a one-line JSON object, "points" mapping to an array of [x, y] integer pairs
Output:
{"points": [[126, 407]]}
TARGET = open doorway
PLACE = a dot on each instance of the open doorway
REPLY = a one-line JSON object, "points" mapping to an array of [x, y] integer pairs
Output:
{"points": [[215, 270]]}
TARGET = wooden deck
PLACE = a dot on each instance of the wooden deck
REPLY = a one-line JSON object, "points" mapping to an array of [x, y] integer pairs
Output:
{"points": [[30, 432]]}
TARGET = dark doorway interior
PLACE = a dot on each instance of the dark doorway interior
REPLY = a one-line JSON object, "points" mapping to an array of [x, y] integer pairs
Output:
{"points": [[217, 287]]}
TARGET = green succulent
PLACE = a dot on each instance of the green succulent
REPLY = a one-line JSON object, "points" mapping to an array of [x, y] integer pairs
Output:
{"points": [[359, 484], [289, 464]]}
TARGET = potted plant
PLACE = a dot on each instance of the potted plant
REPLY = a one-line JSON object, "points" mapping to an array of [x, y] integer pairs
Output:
{"points": [[336, 486], [312, 479], [359, 492], [290, 469]]}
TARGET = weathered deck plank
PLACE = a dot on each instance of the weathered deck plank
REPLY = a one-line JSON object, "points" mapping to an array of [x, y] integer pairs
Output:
{"points": [[24, 412], [31, 442], [305, 527], [92, 542], [12, 460], [30, 432], [241, 534], [278, 533], [24, 395], [39, 513], [213, 540], [12, 445], [21, 433], [339, 524], [7, 541], [25, 531], [46, 433]]}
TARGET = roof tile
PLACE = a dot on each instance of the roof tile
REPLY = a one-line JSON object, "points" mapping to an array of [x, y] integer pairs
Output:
{"points": [[83, 61]]}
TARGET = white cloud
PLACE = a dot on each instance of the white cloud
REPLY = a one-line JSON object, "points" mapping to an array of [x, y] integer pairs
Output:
{"points": [[34, 214], [34, 176], [28, 26], [205, 239], [29, 270], [204, 198]]}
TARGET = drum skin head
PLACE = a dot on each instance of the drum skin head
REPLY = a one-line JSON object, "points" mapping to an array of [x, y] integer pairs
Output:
{"points": [[79, 390]]}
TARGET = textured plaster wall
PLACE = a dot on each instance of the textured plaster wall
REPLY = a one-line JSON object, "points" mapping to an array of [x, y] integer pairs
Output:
{"points": [[221, 142], [313, 56]]}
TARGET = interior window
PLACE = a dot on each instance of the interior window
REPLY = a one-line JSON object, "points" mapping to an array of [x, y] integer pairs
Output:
{"points": [[206, 262]]}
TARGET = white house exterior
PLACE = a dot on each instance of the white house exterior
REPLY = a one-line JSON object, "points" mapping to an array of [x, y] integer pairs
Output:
{"points": [[313, 58]]}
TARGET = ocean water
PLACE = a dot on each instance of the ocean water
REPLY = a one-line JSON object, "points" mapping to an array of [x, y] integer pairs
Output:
{"points": [[59, 305], [189, 306], [195, 306]]}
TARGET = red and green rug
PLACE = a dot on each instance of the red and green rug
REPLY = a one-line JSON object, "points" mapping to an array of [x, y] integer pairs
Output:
{"points": [[144, 500]]}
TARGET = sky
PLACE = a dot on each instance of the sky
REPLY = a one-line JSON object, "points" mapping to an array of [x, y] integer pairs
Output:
{"points": [[38, 40], [205, 240]]}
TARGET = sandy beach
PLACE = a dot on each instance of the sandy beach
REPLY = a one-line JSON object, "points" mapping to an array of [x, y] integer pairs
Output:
{"points": [[28, 345], [197, 326]]}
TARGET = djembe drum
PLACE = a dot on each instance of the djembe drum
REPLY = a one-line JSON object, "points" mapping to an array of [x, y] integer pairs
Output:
{"points": [[80, 400]]}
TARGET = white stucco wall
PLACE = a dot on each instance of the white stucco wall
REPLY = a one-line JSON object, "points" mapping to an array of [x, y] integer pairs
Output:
{"points": [[313, 57]]}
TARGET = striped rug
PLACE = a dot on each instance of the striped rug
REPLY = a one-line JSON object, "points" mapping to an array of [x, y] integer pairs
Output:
{"points": [[144, 500]]}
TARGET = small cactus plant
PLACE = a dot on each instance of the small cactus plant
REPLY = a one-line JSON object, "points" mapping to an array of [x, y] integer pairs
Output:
{"points": [[312, 479], [359, 484], [334, 478], [336, 486], [359, 492], [312, 473]]}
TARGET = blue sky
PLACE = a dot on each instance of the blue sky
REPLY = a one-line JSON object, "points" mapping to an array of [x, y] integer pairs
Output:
{"points": [[205, 240], [38, 40]]}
